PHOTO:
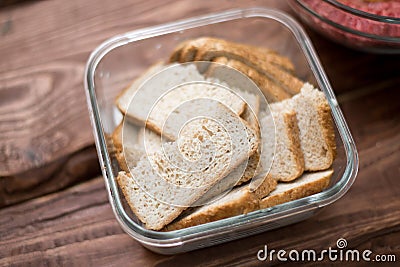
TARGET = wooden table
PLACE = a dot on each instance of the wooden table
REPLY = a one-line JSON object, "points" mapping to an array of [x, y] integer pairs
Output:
{"points": [[54, 208]]}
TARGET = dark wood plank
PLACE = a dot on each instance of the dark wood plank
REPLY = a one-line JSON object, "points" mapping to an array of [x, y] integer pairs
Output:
{"points": [[69, 170], [73, 226]]}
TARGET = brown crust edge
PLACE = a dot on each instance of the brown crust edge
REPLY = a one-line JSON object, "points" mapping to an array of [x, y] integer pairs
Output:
{"points": [[290, 119], [295, 193]]}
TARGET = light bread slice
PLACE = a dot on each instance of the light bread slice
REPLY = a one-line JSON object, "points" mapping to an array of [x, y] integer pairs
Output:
{"points": [[317, 136], [187, 50], [165, 183], [153, 141], [163, 94], [284, 152], [149, 141], [134, 152], [124, 98], [131, 131], [147, 209], [240, 200], [129, 157], [240, 84], [250, 115], [308, 184]]}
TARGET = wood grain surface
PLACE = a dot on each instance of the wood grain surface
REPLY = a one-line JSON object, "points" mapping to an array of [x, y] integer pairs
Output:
{"points": [[57, 214], [76, 167]]}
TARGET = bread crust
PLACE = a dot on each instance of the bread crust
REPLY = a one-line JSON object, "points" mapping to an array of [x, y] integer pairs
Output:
{"points": [[262, 60], [294, 148], [298, 190], [326, 121], [243, 202], [117, 137], [271, 90], [251, 201], [192, 46]]}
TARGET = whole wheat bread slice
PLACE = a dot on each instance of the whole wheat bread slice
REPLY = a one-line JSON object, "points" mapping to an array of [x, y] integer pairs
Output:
{"points": [[308, 184], [186, 51], [167, 187], [207, 49], [282, 153], [317, 136], [240, 200], [270, 88], [211, 50]]}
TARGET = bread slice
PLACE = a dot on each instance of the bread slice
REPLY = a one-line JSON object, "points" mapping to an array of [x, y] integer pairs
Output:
{"points": [[162, 185], [206, 49], [240, 200], [145, 207], [317, 136], [283, 154], [211, 50], [271, 90], [250, 114], [241, 85], [134, 152], [124, 98], [116, 137], [153, 140], [124, 127], [187, 50], [129, 157], [155, 102], [176, 54], [149, 141], [308, 184]]}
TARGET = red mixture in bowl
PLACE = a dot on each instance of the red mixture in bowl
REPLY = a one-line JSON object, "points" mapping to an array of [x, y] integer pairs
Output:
{"points": [[389, 8]]}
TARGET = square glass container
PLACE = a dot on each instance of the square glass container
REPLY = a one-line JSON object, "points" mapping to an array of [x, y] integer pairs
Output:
{"points": [[119, 60]]}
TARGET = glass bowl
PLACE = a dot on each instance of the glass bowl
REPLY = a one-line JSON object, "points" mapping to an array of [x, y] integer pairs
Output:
{"points": [[119, 60], [371, 27]]}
